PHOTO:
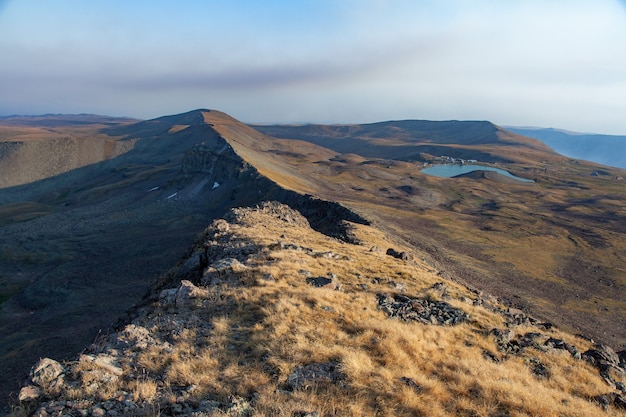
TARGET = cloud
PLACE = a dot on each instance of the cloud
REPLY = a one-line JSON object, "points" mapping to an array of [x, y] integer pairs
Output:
{"points": [[516, 62]]}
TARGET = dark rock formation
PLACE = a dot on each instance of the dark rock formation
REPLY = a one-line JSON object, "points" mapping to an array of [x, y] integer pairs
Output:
{"points": [[421, 310]]}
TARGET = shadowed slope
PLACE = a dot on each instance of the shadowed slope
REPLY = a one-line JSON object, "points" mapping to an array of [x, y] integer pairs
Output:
{"points": [[80, 248]]}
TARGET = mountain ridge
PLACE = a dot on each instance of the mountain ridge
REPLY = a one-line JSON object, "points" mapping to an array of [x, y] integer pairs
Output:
{"points": [[263, 316], [177, 161]]}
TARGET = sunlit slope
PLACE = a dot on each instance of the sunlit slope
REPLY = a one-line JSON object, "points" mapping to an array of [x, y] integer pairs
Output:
{"points": [[556, 246], [267, 154], [408, 139]]}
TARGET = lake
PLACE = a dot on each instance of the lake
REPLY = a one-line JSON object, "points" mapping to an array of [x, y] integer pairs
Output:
{"points": [[452, 170]]}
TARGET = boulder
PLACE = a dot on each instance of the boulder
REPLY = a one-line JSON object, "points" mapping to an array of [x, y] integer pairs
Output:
{"points": [[561, 344], [46, 371], [330, 282], [622, 358], [398, 255], [602, 357]]}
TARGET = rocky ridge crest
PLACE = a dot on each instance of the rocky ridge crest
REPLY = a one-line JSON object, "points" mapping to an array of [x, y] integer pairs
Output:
{"points": [[266, 316]]}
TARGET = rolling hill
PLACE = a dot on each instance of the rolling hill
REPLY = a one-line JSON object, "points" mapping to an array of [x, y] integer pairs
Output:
{"points": [[82, 246]]}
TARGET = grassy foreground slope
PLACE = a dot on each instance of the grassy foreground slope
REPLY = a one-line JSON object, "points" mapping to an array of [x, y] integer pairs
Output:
{"points": [[272, 318]]}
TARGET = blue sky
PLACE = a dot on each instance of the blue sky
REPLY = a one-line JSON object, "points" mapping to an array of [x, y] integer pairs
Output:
{"points": [[551, 63]]}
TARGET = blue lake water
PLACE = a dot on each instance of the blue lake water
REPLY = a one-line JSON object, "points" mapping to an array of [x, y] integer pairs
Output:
{"points": [[452, 170]]}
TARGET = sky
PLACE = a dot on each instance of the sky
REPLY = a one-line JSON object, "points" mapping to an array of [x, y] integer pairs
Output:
{"points": [[548, 63]]}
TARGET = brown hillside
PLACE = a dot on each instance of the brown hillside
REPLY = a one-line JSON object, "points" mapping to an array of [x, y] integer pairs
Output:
{"points": [[274, 319], [555, 247]]}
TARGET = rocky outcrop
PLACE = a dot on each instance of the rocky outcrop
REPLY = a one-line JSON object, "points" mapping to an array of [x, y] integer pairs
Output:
{"points": [[421, 310]]}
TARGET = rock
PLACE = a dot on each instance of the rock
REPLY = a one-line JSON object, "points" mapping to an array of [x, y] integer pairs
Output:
{"points": [[45, 372], [561, 344], [134, 337], [410, 382], [602, 357], [606, 400], [422, 310], [376, 249], [304, 377], [193, 265], [622, 358], [183, 295], [398, 255], [29, 393], [331, 283]]}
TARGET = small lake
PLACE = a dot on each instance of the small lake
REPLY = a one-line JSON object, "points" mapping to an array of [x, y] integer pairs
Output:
{"points": [[452, 170]]}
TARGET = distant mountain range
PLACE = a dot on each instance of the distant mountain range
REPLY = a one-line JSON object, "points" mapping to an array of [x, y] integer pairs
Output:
{"points": [[604, 149]]}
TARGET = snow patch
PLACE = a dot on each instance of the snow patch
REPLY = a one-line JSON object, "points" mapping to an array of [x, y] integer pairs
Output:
{"points": [[215, 185], [153, 188], [173, 195]]}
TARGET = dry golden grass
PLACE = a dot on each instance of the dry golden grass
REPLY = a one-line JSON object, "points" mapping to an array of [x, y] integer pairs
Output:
{"points": [[262, 332], [244, 338]]}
